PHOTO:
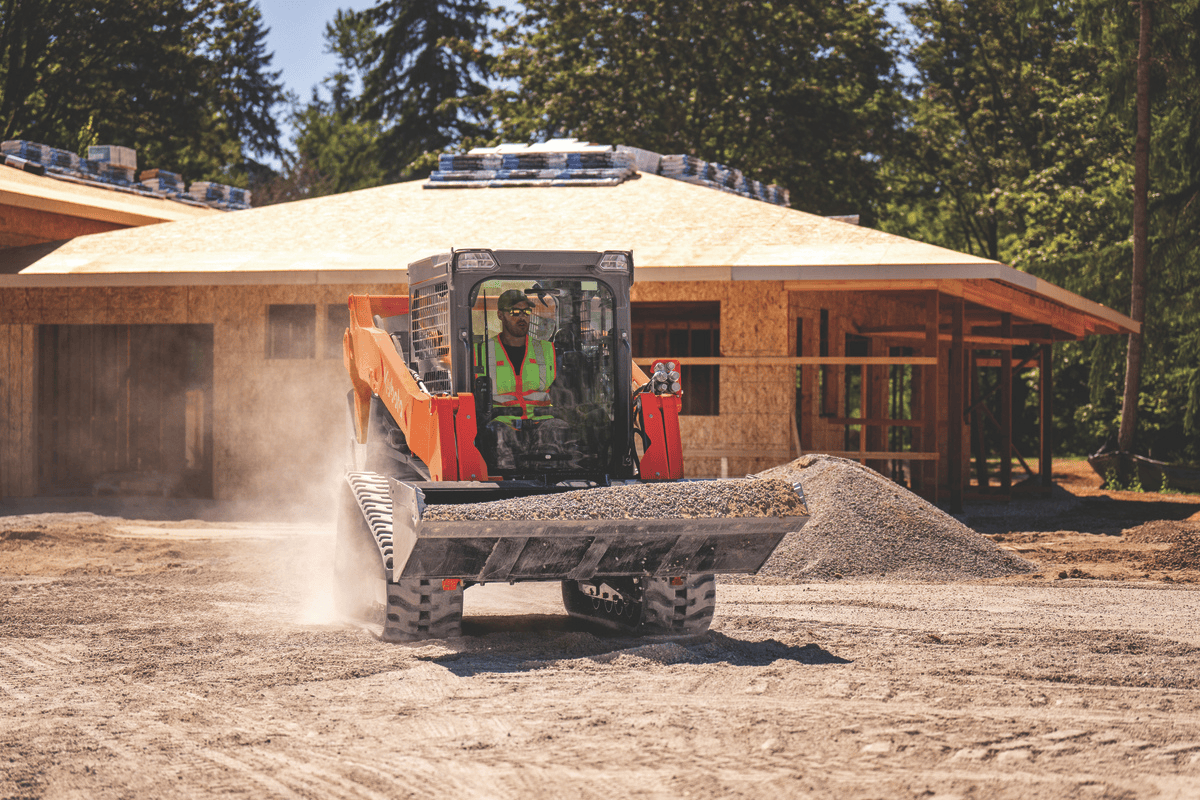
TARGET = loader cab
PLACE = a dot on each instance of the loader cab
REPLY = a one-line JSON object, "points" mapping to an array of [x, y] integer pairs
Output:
{"points": [[563, 413]]}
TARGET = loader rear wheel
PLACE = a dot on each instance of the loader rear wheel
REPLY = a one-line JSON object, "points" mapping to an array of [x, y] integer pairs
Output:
{"points": [[419, 608], [684, 608]]}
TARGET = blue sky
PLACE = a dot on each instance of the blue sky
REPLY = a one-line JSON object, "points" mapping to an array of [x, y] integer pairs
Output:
{"points": [[296, 35]]}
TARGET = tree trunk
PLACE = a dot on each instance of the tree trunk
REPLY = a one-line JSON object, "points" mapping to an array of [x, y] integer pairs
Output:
{"points": [[1141, 179]]}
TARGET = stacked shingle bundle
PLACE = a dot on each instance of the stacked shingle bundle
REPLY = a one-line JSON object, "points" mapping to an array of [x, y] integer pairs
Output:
{"points": [[23, 155], [40, 158], [509, 165], [719, 176], [219, 195], [162, 182], [112, 163], [114, 167]]}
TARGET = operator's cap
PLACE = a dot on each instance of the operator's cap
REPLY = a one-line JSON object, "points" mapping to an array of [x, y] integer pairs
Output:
{"points": [[510, 298]]}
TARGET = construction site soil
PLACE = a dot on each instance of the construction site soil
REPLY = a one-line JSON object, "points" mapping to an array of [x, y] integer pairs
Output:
{"points": [[185, 650]]}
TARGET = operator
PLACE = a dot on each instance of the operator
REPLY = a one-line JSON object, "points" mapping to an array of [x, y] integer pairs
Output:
{"points": [[521, 407], [519, 394]]}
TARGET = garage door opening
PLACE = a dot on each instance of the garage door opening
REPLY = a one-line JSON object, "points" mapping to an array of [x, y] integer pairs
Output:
{"points": [[125, 410]]}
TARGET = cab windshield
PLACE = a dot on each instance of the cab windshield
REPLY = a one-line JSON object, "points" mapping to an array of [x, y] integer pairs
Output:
{"points": [[543, 375]]}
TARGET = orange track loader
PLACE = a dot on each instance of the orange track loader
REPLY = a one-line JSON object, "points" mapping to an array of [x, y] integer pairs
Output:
{"points": [[449, 487]]}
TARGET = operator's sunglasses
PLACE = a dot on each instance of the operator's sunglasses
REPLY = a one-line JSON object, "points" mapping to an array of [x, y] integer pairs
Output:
{"points": [[519, 312]]}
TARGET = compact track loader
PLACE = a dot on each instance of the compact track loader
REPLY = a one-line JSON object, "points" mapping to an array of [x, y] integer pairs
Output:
{"points": [[566, 467]]}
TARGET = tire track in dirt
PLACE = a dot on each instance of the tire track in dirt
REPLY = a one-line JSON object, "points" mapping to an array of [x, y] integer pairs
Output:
{"points": [[28, 663]]}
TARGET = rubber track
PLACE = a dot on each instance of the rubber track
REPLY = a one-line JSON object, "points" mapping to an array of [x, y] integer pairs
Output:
{"points": [[679, 609], [371, 491], [420, 608]]}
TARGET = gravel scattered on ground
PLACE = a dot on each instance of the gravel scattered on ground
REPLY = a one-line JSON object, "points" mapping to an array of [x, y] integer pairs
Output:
{"points": [[1182, 540], [685, 500], [864, 525]]}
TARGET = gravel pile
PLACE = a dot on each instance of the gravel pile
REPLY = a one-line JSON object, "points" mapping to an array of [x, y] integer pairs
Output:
{"points": [[864, 525], [697, 500], [1183, 538]]}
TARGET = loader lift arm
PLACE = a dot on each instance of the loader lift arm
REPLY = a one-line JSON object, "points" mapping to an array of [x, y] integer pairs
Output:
{"points": [[439, 429]]}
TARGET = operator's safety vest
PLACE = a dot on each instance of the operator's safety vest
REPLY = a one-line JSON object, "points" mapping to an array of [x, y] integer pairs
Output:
{"points": [[524, 391]]}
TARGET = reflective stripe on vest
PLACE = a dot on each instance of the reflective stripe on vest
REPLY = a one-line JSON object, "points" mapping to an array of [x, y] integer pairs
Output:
{"points": [[508, 384]]}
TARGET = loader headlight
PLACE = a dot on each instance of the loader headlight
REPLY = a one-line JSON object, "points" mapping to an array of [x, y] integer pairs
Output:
{"points": [[474, 260], [614, 262]]}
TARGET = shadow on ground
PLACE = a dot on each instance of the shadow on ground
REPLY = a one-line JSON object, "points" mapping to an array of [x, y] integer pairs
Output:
{"points": [[1100, 514], [535, 642]]}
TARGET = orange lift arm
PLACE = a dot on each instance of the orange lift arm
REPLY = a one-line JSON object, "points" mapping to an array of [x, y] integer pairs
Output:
{"points": [[440, 429]]}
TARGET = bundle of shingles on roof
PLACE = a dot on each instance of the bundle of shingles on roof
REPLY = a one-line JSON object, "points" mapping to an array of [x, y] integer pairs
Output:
{"points": [[115, 167], [719, 176], [569, 162], [495, 167]]}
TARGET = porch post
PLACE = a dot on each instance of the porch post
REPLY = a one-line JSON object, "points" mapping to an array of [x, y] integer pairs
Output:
{"points": [[954, 406], [1045, 401]]}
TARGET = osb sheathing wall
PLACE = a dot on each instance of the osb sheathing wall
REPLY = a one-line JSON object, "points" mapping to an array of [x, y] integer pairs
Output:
{"points": [[278, 425], [753, 426], [18, 474]]}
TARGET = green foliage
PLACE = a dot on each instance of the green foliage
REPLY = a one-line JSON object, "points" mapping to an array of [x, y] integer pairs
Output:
{"points": [[800, 93], [1023, 132], [184, 82], [1004, 118], [424, 67], [1112, 480]]}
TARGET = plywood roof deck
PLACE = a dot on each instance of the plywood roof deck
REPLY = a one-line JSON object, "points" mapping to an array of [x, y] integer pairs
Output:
{"points": [[20, 188], [677, 232]]}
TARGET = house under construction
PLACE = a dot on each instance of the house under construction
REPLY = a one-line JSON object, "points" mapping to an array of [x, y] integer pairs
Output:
{"points": [[202, 355]]}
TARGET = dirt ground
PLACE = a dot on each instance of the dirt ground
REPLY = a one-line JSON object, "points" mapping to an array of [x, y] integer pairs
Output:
{"points": [[151, 655]]}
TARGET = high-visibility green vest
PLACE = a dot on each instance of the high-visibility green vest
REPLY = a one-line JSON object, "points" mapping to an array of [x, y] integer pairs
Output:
{"points": [[526, 391]]}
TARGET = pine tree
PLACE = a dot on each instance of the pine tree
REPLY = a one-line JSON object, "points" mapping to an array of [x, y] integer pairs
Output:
{"points": [[800, 93], [184, 82], [426, 64]]}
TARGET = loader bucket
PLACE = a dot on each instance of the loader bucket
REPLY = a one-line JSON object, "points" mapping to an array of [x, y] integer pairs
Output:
{"points": [[484, 550]]}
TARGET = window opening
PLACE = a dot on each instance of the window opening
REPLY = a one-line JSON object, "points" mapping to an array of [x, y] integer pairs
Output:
{"points": [[337, 319], [855, 389], [682, 330], [900, 406], [825, 388], [291, 331]]}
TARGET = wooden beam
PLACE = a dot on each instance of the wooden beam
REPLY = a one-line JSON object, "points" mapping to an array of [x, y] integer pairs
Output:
{"points": [[775, 453], [1046, 417], [978, 440], [954, 408], [994, 342], [1020, 333], [875, 422], [928, 439], [864, 286], [883, 455], [785, 361], [1006, 416], [1026, 306]]}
